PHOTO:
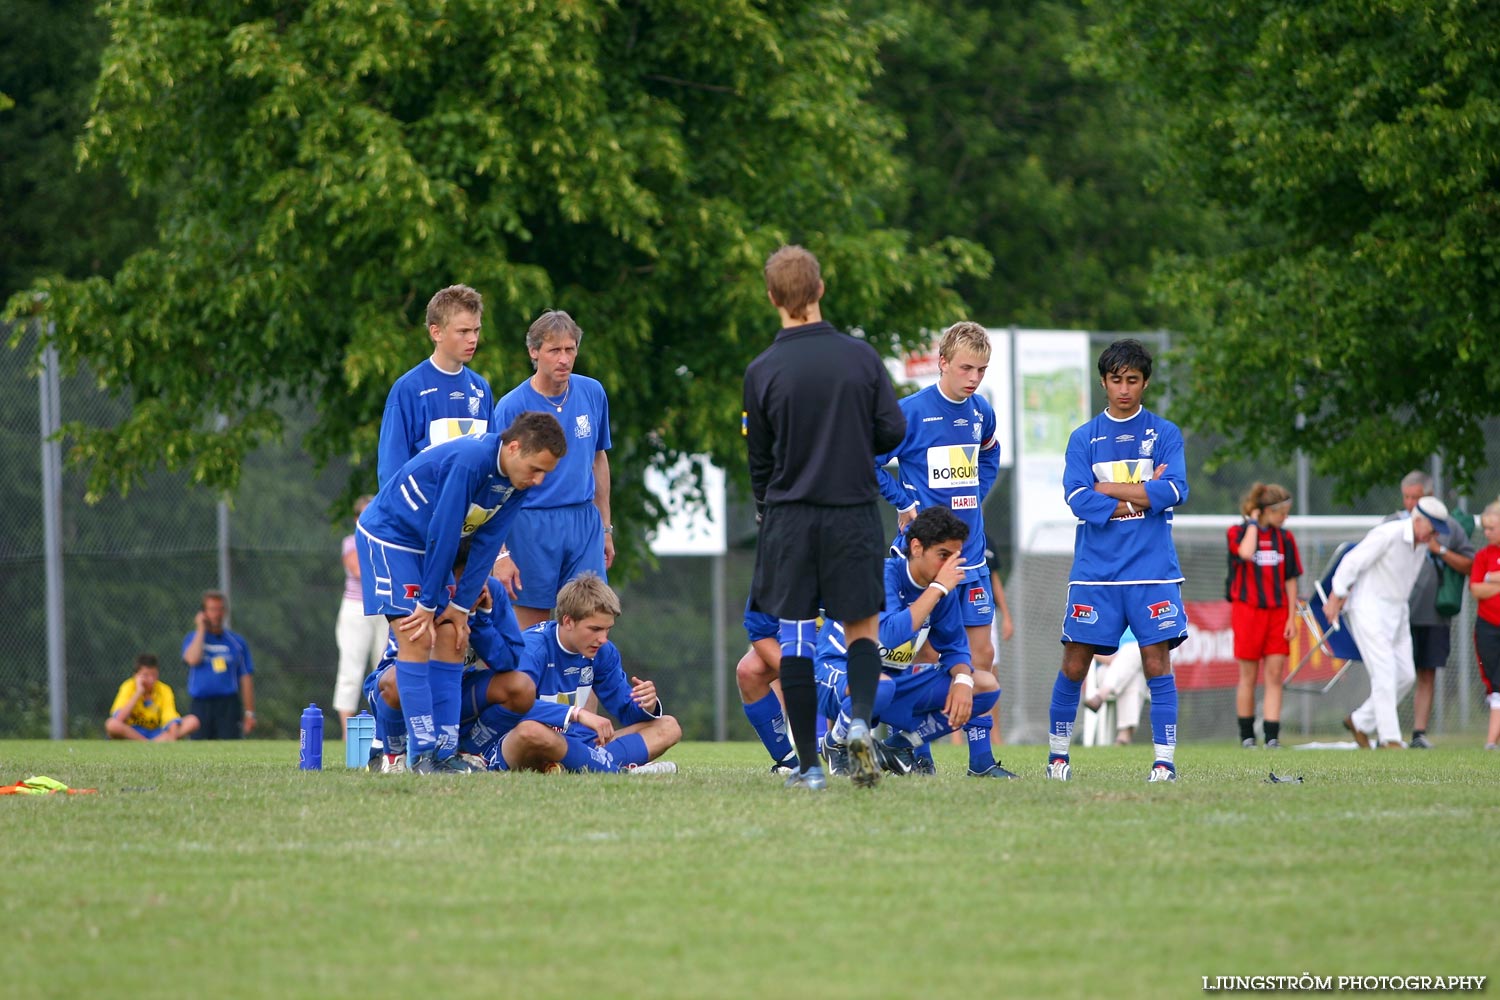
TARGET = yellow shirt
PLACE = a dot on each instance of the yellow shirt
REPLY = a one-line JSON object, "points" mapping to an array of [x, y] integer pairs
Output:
{"points": [[152, 712]]}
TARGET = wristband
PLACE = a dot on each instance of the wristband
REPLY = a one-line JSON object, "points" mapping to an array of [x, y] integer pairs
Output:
{"points": [[250, 713], [967, 680], [609, 529], [1131, 507], [940, 587], [504, 554]]}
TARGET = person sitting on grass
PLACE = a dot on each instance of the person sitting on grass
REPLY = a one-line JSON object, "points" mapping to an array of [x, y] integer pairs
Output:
{"points": [[570, 658], [144, 708]]}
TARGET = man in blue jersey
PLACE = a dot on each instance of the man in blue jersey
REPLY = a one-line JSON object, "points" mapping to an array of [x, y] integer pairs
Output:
{"points": [[570, 658], [440, 399], [1124, 473], [408, 539], [490, 675], [221, 674], [923, 606], [755, 674], [950, 457], [564, 525]]}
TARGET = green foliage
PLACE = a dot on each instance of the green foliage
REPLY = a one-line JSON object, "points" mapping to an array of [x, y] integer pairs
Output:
{"points": [[55, 218], [1042, 162], [332, 165], [1354, 143]]}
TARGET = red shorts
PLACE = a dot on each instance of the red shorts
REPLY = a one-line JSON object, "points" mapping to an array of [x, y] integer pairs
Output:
{"points": [[1258, 632]]}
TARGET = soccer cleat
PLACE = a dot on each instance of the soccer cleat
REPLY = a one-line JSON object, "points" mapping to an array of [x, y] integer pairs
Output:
{"points": [[1248, 743], [1161, 772], [1273, 744], [864, 771], [837, 756], [654, 767], [474, 761], [1359, 737], [1492, 746], [1420, 742], [888, 758], [993, 771], [786, 765], [456, 765], [812, 779], [900, 758], [1058, 769], [393, 763], [424, 763]]}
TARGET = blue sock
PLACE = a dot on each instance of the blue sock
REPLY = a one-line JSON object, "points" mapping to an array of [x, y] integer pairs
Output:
{"points": [[493, 724], [1164, 717], [579, 756], [445, 681], [979, 729], [1061, 713], [769, 723], [416, 706], [390, 727], [628, 751]]}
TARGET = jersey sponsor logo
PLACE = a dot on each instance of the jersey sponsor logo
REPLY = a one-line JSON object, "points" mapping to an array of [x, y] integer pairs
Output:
{"points": [[1096, 440], [456, 394], [1084, 613], [1127, 470], [901, 657], [1124, 437], [426, 391], [961, 422], [931, 420], [1268, 557], [977, 595], [581, 428], [1162, 609], [413, 590], [446, 429], [952, 466], [477, 515], [966, 502]]}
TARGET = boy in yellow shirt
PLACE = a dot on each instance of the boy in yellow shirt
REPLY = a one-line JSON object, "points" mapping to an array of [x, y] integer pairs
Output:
{"points": [[144, 708]]}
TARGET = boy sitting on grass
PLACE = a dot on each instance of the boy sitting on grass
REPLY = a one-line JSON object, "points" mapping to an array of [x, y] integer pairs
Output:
{"points": [[144, 708]]}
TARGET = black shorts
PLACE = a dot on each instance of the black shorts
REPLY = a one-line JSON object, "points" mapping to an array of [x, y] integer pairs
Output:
{"points": [[1430, 646], [820, 560], [219, 718], [1487, 652]]}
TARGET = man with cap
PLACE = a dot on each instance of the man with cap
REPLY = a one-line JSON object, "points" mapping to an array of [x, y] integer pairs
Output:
{"points": [[1431, 631], [1371, 586]]}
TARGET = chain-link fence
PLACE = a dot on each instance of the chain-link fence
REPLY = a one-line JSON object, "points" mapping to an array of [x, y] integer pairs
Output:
{"points": [[133, 569]]}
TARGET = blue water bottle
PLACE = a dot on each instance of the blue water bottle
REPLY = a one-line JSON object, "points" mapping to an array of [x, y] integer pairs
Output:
{"points": [[357, 743], [310, 753]]}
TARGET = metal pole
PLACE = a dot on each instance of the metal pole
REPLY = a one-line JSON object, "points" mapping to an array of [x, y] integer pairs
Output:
{"points": [[721, 661], [1015, 594], [223, 525], [51, 423]]}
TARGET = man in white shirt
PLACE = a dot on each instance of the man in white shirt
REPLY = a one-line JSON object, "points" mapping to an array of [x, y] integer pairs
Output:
{"points": [[1375, 581]]}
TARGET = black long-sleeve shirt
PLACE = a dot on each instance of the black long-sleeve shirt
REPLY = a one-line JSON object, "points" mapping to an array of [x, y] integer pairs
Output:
{"points": [[818, 408]]}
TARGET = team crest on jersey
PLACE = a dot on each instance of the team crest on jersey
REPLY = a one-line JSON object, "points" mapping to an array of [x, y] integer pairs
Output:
{"points": [[966, 502], [581, 427], [1084, 613], [955, 465], [473, 406], [1148, 442], [978, 430], [586, 677], [1162, 609]]}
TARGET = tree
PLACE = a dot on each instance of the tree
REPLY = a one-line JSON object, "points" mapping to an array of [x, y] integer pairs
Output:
{"points": [[332, 165], [57, 220], [1354, 144], [1041, 161]]}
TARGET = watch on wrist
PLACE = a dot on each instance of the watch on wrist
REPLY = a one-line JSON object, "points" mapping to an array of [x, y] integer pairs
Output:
{"points": [[609, 529]]}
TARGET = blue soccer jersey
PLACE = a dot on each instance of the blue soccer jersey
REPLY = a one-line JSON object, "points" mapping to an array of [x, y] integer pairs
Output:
{"points": [[1133, 548], [226, 658], [949, 457], [438, 498], [584, 415], [901, 638], [565, 679], [429, 406]]}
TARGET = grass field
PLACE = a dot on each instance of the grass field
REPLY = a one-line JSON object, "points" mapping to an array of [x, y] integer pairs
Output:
{"points": [[221, 870]]}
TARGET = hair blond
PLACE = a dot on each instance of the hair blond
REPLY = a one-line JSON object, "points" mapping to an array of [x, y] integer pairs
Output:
{"points": [[1263, 496], [453, 299], [965, 335], [587, 595]]}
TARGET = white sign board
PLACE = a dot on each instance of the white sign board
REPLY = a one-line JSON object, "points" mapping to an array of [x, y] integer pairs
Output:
{"points": [[689, 530], [1052, 395]]}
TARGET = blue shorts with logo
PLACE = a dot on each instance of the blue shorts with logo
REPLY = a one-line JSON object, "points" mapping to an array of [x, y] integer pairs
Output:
{"points": [[391, 577], [1097, 613], [552, 545]]}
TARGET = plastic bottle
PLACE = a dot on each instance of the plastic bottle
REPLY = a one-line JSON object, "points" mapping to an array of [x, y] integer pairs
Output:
{"points": [[310, 752], [357, 744]]}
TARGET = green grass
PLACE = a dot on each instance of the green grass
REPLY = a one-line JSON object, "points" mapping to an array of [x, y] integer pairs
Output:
{"points": [[242, 876]]}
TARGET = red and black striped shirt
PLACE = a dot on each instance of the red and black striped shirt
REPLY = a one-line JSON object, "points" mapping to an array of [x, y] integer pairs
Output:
{"points": [[1262, 583]]}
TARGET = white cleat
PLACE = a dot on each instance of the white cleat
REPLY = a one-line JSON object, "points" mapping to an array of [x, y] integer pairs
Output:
{"points": [[655, 767], [1058, 769]]}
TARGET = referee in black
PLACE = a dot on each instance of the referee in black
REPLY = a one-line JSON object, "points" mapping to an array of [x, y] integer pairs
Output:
{"points": [[818, 408]]}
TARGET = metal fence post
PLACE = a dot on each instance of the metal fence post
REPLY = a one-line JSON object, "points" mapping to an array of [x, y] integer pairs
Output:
{"points": [[51, 423]]}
